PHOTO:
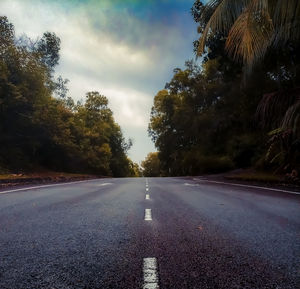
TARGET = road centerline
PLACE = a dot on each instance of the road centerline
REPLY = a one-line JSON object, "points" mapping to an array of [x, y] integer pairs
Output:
{"points": [[148, 215], [150, 273]]}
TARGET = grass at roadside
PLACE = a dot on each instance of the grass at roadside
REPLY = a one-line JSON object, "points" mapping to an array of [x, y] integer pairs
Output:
{"points": [[8, 180], [49, 175], [256, 176]]}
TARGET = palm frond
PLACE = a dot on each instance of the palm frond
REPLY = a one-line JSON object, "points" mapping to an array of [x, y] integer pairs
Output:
{"points": [[291, 118], [277, 156], [286, 19], [259, 5], [252, 26], [225, 12], [250, 35], [279, 109]]}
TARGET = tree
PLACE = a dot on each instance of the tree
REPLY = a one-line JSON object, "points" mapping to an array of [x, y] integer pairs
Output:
{"points": [[250, 29], [135, 170], [250, 26], [100, 138], [7, 34], [48, 48], [280, 113], [151, 165], [22, 90], [40, 126]]}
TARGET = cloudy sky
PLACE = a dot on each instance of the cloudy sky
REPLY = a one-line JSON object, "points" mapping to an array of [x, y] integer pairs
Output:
{"points": [[125, 49]]}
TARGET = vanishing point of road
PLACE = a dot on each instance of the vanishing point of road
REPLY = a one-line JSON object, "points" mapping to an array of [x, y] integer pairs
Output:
{"points": [[149, 233]]}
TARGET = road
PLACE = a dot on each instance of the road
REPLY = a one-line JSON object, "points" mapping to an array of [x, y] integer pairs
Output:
{"points": [[149, 233]]}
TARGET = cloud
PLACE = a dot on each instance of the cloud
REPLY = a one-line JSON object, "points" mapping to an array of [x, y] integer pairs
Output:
{"points": [[126, 50], [129, 106]]}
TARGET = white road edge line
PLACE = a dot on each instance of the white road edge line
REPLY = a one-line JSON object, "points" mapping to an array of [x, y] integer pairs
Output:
{"points": [[47, 186], [250, 186], [147, 197], [193, 185], [148, 215], [105, 184], [150, 273]]}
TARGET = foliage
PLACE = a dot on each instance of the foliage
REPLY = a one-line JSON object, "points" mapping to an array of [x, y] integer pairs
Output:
{"points": [[200, 123], [211, 117], [251, 26], [255, 176], [151, 166], [40, 130], [135, 170], [280, 111]]}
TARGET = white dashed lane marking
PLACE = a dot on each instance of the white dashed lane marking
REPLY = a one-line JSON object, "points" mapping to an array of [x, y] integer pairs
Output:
{"points": [[150, 264], [148, 215], [150, 273]]}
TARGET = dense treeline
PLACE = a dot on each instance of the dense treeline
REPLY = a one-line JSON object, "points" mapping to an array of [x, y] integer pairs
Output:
{"points": [[151, 165], [40, 127], [218, 114]]}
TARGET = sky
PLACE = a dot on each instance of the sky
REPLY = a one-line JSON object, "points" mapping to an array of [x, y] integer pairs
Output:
{"points": [[125, 49]]}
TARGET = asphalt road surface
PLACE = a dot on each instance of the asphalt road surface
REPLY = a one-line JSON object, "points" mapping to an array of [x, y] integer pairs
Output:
{"points": [[149, 233]]}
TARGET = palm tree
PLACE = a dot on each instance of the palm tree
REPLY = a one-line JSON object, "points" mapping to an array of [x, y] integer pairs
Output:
{"points": [[251, 26], [281, 110]]}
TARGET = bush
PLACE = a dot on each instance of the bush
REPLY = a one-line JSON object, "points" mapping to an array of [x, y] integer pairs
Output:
{"points": [[214, 164], [243, 150], [197, 163]]}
